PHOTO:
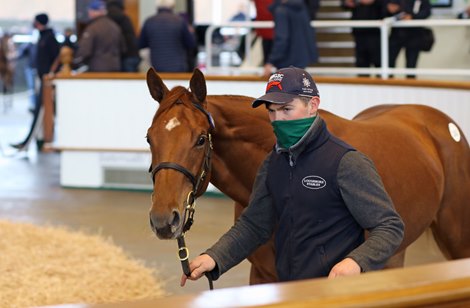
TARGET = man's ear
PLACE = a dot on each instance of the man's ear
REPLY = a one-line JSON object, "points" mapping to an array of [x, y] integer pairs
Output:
{"points": [[313, 105]]}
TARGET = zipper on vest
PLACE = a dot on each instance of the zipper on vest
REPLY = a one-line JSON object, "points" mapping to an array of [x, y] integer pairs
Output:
{"points": [[291, 159]]}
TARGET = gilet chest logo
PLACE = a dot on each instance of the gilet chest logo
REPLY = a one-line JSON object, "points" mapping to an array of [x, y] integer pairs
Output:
{"points": [[313, 182]]}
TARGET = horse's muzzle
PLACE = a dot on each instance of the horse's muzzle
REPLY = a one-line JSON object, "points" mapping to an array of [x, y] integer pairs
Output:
{"points": [[166, 226]]}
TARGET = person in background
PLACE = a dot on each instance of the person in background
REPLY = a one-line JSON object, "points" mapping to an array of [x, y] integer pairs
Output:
{"points": [[28, 52], [312, 8], [8, 61], [69, 39], [47, 50], [367, 40], [101, 43], [294, 39], [315, 192], [266, 34], [130, 58], [407, 37], [169, 38]]}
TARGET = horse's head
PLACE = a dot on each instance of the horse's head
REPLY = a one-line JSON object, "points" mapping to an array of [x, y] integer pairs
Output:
{"points": [[180, 142]]}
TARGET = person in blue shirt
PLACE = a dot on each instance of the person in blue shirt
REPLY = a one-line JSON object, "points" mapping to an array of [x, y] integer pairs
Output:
{"points": [[294, 41]]}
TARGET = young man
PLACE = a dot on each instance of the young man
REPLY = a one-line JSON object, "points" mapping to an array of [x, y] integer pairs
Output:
{"points": [[315, 191], [46, 52]]}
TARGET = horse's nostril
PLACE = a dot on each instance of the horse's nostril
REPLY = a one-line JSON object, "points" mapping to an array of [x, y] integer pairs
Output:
{"points": [[151, 222], [175, 221]]}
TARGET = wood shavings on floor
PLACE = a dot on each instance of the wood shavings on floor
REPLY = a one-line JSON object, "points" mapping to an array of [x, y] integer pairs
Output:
{"points": [[51, 265]]}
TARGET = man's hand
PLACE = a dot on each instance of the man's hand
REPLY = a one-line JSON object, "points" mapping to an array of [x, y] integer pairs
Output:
{"points": [[347, 267], [200, 265]]}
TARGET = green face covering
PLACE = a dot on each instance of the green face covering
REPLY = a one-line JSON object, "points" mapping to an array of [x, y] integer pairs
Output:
{"points": [[289, 132]]}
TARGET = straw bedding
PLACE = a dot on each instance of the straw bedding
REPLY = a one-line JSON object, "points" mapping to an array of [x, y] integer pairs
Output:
{"points": [[51, 265]]}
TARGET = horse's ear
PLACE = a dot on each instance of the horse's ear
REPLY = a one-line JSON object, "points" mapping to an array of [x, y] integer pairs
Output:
{"points": [[157, 88], [198, 86]]}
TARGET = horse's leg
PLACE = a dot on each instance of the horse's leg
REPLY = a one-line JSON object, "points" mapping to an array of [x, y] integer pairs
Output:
{"points": [[7, 90], [451, 228], [263, 268], [4, 94], [10, 89]]}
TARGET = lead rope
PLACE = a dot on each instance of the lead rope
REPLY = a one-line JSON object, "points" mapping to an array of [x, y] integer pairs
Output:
{"points": [[183, 255], [183, 252]]}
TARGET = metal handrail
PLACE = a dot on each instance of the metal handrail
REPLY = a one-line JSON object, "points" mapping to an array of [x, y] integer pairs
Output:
{"points": [[384, 25]]}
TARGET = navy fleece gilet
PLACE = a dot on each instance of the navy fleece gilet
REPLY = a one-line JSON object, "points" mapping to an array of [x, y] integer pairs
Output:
{"points": [[315, 228]]}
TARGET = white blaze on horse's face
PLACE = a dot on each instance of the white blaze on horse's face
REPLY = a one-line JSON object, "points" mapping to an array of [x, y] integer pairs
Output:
{"points": [[172, 124]]}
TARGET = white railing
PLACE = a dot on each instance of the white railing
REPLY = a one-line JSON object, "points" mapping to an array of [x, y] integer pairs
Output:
{"points": [[384, 25]]}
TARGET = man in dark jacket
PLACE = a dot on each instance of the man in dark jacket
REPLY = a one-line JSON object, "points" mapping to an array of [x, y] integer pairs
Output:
{"points": [[130, 57], [367, 40], [169, 38], [316, 192], [294, 39], [101, 44], [47, 50], [408, 38]]}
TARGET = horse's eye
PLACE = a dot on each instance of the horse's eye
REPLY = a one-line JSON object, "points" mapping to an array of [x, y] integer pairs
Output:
{"points": [[201, 140], [148, 139]]}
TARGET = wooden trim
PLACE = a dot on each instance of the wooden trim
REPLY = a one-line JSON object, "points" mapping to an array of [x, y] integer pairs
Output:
{"points": [[444, 284], [458, 85], [48, 105]]}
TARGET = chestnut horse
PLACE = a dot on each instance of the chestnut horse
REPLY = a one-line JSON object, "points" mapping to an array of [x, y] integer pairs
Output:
{"points": [[7, 69], [421, 155]]}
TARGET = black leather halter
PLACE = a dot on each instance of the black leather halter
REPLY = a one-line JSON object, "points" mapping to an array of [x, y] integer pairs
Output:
{"points": [[197, 182]]}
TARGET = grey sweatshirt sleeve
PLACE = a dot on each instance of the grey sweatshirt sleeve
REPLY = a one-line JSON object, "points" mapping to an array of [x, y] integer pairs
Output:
{"points": [[252, 229], [365, 196]]}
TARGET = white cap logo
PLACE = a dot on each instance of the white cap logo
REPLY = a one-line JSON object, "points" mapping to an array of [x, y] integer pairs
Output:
{"points": [[306, 82]]}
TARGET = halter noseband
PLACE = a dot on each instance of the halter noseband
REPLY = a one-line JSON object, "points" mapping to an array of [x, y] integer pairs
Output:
{"points": [[188, 216]]}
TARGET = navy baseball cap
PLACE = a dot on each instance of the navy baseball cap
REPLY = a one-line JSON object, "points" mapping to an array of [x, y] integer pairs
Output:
{"points": [[287, 84], [96, 5]]}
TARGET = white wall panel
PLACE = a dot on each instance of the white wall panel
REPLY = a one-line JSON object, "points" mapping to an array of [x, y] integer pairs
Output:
{"points": [[98, 116]]}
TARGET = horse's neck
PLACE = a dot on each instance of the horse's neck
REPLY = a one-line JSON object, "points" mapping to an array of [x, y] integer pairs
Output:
{"points": [[336, 124], [242, 138], [237, 124]]}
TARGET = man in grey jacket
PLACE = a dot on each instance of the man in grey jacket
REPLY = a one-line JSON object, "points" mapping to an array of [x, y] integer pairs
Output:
{"points": [[317, 193], [102, 43]]}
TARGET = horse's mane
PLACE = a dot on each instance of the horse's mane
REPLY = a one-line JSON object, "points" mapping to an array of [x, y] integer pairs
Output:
{"points": [[235, 115]]}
